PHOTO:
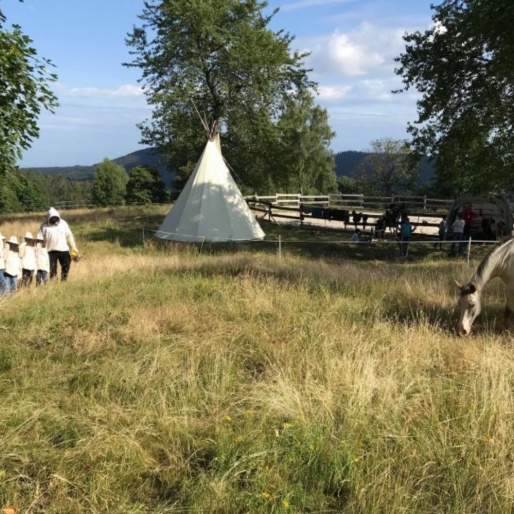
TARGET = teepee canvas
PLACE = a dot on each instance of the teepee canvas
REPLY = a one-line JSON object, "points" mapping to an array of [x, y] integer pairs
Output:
{"points": [[210, 207]]}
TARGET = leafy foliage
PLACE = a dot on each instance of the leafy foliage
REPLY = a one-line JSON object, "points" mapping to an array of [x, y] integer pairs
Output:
{"points": [[18, 193], [350, 185], [24, 90], [464, 68], [58, 190], [109, 184], [145, 186], [219, 60], [304, 128], [389, 169]]}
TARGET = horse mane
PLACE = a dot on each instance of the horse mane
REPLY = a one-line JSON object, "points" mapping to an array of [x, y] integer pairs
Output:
{"points": [[490, 259]]}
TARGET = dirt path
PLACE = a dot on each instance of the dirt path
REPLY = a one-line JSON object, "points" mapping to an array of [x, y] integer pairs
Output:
{"points": [[316, 222]]}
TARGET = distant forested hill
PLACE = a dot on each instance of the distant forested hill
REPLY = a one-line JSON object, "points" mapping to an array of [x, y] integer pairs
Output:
{"points": [[348, 162], [145, 157]]}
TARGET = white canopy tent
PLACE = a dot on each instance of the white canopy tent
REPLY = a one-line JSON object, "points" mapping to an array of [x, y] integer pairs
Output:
{"points": [[210, 207]]}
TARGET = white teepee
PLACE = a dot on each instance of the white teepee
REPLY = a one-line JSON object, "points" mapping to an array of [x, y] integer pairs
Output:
{"points": [[210, 207]]}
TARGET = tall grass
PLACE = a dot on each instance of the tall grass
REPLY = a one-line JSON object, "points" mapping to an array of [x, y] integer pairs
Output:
{"points": [[163, 379]]}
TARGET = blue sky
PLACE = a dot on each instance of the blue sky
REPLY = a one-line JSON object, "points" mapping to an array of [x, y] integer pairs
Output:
{"points": [[352, 43]]}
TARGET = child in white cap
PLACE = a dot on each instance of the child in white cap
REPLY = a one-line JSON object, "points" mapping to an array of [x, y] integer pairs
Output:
{"points": [[3, 284], [27, 252], [12, 264], [43, 262]]}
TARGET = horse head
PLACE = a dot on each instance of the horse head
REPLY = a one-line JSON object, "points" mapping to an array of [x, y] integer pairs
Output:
{"points": [[470, 307]]}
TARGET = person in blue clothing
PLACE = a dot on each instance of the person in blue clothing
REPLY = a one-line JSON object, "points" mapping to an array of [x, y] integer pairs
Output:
{"points": [[406, 230]]}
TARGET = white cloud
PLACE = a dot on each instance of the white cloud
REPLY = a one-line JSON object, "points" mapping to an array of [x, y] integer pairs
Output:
{"points": [[305, 4], [123, 91], [368, 49], [333, 93]]}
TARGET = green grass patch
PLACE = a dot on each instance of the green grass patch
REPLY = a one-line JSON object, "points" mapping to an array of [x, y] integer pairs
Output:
{"points": [[171, 378]]}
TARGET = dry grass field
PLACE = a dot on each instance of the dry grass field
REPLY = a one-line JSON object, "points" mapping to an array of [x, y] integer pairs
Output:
{"points": [[164, 378]]}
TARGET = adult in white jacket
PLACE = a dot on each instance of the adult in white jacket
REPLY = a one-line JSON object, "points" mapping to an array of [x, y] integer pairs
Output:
{"points": [[59, 240], [3, 282]]}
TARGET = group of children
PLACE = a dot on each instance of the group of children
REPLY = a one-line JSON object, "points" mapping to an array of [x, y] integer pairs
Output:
{"points": [[21, 262]]}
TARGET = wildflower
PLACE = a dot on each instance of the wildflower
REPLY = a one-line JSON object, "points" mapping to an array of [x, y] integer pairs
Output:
{"points": [[285, 426], [266, 496], [249, 413], [238, 439], [356, 459], [285, 503], [228, 419]]}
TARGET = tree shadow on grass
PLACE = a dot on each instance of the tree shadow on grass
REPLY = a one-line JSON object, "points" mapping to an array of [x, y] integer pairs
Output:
{"points": [[126, 238], [327, 244], [413, 310], [126, 232]]}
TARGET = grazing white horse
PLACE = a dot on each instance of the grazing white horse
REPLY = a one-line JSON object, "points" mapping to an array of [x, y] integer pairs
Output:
{"points": [[499, 262]]}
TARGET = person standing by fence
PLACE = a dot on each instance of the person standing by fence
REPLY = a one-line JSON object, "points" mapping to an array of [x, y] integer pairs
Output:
{"points": [[59, 239], [442, 229], [406, 230], [468, 216], [458, 235]]}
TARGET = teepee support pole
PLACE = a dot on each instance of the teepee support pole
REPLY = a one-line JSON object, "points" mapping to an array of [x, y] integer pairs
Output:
{"points": [[280, 246], [469, 250]]}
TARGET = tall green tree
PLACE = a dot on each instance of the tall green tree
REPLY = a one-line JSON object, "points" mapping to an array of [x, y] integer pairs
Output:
{"points": [[19, 194], [110, 184], [218, 60], [304, 156], [389, 168], [145, 186], [463, 66], [24, 90]]}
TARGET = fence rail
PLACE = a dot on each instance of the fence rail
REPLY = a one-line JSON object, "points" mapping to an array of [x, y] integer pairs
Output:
{"points": [[353, 201], [347, 208]]}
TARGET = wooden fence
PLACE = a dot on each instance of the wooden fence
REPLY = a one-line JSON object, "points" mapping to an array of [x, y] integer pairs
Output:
{"points": [[355, 202], [302, 207]]}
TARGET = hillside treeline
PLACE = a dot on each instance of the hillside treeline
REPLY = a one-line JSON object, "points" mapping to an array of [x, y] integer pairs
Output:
{"points": [[32, 191], [28, 191]]}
